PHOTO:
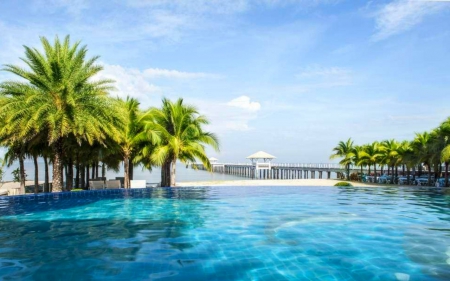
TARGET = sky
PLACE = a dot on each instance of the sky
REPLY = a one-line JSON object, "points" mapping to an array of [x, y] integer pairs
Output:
{"points": [[289, 77]]}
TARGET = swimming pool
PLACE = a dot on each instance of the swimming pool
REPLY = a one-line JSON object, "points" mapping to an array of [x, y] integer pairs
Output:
{"points": [[227, 233]]}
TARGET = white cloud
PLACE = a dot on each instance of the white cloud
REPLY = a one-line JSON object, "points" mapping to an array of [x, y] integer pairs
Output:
{"points": [[245, 103], [130, 82], [223, 6], [141, 84], [166, 73], [401, 15], [72, 7], [234, 115], [320, 76]]}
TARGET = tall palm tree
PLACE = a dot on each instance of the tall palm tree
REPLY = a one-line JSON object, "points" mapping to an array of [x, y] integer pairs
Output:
{"points": [[131, 136], [390, 149], [358, 150], [59, 96], [178, 130], [371, 154], [345, 150], [422, 148]]}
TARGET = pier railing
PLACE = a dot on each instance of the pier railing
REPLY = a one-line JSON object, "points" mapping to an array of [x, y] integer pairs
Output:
{"points": [[291, 165], [266, 170]]}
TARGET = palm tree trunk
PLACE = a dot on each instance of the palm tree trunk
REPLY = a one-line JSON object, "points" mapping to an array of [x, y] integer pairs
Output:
{"points": [[375, 172], [348, 172], [360, 179], [165, 173], [82, 176], [93, 171], [131, 170], [77, 172], [46, 177], [409, 174], [87, 175], [96, 169], [126, 169], [103, 170], [396, 173], [57, 148], [446, 174], [173, 173], [69, 179], [22, 173], [429, 174], [36, 174]]}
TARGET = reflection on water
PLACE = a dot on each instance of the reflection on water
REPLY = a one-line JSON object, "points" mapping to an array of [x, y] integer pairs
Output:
{"points": [[232, 233]]}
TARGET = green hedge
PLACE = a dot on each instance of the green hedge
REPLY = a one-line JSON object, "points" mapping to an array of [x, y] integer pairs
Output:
{"points": [[343, 183], [77, 189]]}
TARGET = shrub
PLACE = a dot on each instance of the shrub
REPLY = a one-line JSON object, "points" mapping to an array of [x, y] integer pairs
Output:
{"points": [[77, 189], [343, 183]]}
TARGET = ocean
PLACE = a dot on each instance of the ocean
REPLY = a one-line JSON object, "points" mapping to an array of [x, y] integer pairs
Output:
{"points": [[183, 174]]}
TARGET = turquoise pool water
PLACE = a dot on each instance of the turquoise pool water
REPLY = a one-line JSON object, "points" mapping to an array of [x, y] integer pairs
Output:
{"points": [[228, 233]]}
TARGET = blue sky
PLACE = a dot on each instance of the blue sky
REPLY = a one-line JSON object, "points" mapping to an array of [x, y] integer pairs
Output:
{"points": [[289, 77]]}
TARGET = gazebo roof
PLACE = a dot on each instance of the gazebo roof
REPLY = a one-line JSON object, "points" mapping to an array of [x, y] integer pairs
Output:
{"points": [[261, 155], [213, 159]]}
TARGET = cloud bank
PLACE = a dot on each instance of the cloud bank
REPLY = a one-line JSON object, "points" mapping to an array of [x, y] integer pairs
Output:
{"points": [[402, 15]]}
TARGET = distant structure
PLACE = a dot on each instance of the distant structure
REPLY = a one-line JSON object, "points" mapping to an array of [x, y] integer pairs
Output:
{"points": [[257, 164], [216, 167]]}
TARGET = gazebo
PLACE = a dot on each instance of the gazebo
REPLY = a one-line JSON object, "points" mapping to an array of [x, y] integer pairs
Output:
{"points": [[266, 160], [215, 165]]}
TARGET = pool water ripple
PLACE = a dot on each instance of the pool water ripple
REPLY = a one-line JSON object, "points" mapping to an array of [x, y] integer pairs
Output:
{"points": [[230, 233]]}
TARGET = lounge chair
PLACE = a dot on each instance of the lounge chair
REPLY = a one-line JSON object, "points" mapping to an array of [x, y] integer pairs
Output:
{"points": [[95, 185], [138, 184], [113, 184]]}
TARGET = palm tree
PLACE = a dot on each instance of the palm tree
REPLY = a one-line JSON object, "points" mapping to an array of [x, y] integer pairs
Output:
{"points": [[421, 146], [60, 97], [371, 154], [177, 130], [346, 151], [358, 150], [131, 136], [390, 149], [406, 157]]}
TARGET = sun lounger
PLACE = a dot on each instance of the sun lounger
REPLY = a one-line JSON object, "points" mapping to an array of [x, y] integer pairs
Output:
{"points": [[111, 184], [138, 184], [94, 185]]}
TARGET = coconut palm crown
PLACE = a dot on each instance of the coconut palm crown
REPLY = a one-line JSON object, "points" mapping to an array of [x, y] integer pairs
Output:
{"points": [[178, 130], [58, 96]]}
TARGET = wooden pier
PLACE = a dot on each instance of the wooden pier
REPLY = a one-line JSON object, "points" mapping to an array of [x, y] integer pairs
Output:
{"points": [[278, 171]]}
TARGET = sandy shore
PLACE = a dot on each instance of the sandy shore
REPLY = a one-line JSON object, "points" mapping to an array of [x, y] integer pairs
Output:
{"points": [[249, 182]]}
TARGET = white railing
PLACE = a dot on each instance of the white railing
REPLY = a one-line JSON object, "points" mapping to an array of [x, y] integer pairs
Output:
{"points": [[287, 165]]}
